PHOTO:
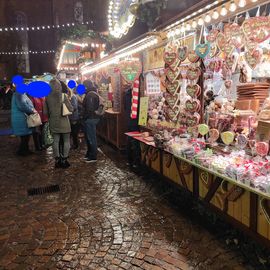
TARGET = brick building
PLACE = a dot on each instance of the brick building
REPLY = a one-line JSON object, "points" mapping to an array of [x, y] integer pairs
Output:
{"points": [[28, 13]]}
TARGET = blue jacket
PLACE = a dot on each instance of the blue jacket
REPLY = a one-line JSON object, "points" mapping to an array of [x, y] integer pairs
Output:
{"points": [[20, 106]]}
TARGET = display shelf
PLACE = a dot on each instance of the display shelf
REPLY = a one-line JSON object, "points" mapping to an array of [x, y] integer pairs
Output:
{"points": [[135, 135]]}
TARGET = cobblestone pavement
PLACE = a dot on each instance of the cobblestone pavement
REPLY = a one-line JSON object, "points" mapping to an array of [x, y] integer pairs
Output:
{"points": [[104, 217]]}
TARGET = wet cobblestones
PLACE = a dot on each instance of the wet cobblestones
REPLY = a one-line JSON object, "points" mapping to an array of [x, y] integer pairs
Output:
{"points": [[104, 217]]}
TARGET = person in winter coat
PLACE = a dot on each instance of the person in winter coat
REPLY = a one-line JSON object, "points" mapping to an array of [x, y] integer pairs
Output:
{"points": [[37, 132], [59, 125], [90, 105], [74, 119], [21, 106]]}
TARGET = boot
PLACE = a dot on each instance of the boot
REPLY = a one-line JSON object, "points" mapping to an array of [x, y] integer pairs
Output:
{"points": [[58, 162], [65, 164]]}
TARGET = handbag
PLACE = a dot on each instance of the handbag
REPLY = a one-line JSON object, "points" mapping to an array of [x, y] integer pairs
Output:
{"points": [[33, 120], [65, 110], [47, 135]]}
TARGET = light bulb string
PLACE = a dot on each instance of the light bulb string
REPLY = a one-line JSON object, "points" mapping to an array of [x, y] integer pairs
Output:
{"points": [[26, 52], [40, 28]]}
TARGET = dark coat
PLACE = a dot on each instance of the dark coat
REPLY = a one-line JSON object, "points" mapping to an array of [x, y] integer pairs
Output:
{"points": [[53, 108]]}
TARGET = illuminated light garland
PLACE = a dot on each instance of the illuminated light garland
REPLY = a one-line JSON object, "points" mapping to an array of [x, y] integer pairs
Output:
{"points": [[115, 29], [26, 52], [121, 54], [213, 11], [40, 28]]}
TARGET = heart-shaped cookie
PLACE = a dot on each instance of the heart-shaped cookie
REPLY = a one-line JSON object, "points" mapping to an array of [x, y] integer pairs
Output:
{"points": [[247, 28], [223, 45], [172, 87], [193, 120], [192, 56], [212, 35], [193, 90], [192, 105], [251, 45], [172, 100], [260, 29], [169, 57], [172, 114], [193, 74], [172, 74], [213, 50], [182, 53], [130, 70], [229, 62], [235, 34], [202, 50], [253, 59]]}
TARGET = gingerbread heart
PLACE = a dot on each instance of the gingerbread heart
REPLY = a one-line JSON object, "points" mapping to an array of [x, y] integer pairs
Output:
{"points": [[193, 74], [253, 59], [260, 29], [251, 45], [223, 45], [172, 114], [193, 90], [172, 74], [172, 100], [212, 35], [229, 62], [172, 87], [192, 56], [235, 34], [182, 53], [169, 57], [192, 105], [247, 28], [202, 50], [193, 120], [213, 50]]}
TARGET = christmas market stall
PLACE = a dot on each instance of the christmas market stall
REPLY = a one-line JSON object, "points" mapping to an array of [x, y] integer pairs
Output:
{"points": [[205, 110]]}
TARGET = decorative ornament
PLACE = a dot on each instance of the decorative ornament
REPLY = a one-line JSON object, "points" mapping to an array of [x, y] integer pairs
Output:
{"points": [[130, 70], [193, 120], [172, 87], [169, 57], [202, 50], [192, 105], [182, 53], [172, 74], [193, 74], [234, 33], [193, 90], [192, 56], [135, 100]]}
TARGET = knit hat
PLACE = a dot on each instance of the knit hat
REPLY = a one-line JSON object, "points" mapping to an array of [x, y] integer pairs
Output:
{"points": [[89, 86]]}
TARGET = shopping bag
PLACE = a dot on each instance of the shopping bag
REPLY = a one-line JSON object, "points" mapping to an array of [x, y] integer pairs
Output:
{"points": [[33, 120], [47, 135]]}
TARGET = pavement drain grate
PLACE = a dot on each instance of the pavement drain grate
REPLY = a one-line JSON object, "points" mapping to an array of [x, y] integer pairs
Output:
{"points": [[43, 190]]}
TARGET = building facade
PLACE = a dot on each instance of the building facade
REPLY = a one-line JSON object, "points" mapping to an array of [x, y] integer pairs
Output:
{"points": [[38, 13]]}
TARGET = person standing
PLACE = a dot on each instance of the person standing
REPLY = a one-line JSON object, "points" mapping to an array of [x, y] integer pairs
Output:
{"points": [[8, 97], [21, 106], [90, 105], [74, 119], [37, 131], [59, 125]]}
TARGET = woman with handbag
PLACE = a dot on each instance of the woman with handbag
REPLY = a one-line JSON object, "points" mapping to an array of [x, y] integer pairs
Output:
{"points": [[37, 131], [58, 107], [21, 106]]}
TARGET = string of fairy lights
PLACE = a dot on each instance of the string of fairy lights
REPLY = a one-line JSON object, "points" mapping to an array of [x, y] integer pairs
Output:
{"points": [[4, 29], [27, 52], [41, 27]]}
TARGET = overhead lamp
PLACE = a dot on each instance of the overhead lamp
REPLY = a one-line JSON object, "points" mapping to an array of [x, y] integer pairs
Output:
{"points": [[177, 31], [188, 27], [215, 15], [207, 18], [200, 21], [254, 1], [194, 24], [242, 3], [233, 6], [223, 11]]}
